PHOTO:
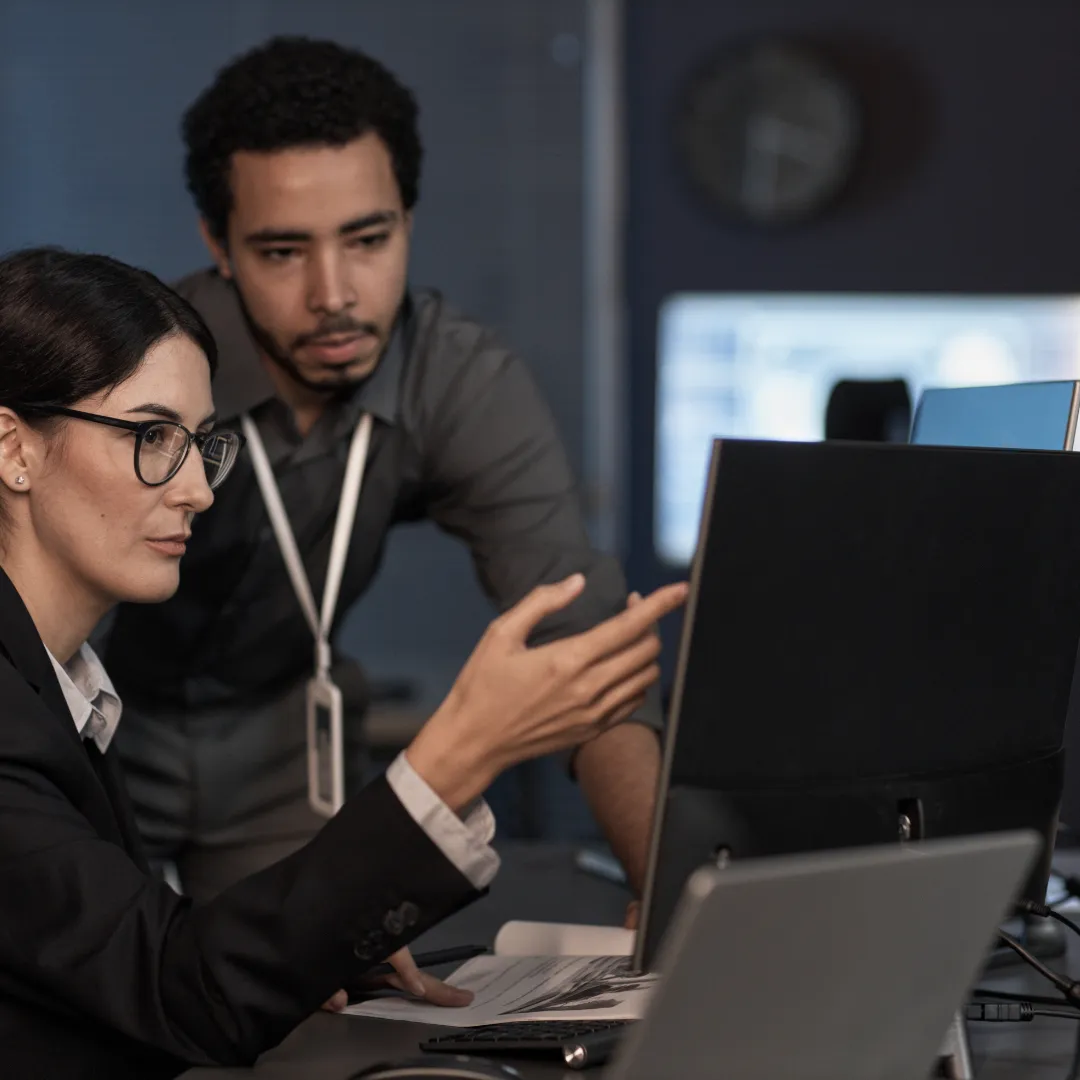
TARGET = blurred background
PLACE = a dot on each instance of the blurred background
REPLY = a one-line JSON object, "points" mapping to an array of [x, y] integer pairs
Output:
{"points": [[691, 217]]}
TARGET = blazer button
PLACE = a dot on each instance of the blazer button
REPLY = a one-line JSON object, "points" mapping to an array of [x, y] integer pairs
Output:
{"points": [[393, 923], [369, 945], [409, 912]]}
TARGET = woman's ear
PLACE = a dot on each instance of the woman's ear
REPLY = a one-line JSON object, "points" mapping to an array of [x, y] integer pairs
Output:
{"points": [[16, 455]]}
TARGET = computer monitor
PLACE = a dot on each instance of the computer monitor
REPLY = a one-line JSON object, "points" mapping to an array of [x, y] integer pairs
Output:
{"points": [[1023, 416], [879, 643], [1027, 416], [766, 365]]}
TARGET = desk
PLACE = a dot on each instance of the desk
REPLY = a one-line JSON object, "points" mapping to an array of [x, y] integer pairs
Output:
{"points": [[538, 881]]}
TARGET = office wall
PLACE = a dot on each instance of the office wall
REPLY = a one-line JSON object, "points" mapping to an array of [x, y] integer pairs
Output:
{"points": [[90, 100], [968, 181]]}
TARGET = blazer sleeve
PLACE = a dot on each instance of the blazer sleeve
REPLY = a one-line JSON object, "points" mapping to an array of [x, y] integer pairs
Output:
{"points": [[83, 931]]}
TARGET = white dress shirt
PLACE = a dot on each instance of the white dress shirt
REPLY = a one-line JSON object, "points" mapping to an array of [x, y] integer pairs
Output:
{"points": [[90, 695], [466, 842]]}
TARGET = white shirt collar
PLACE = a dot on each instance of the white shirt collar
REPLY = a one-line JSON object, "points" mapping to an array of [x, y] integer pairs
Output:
{"points": [[94, 704]]}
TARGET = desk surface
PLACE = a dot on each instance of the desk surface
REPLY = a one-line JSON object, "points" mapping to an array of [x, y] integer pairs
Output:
{"points": [[539, 881]]}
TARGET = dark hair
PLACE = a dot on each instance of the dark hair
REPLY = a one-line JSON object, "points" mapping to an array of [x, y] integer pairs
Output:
{"points": [[74, 325], [291, 92]]}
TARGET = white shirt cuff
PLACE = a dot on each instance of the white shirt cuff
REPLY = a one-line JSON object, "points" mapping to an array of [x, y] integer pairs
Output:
{"points": [[466, 841]]}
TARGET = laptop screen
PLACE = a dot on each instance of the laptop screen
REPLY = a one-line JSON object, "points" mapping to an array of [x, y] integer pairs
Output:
{"points": [[1021, 416]]}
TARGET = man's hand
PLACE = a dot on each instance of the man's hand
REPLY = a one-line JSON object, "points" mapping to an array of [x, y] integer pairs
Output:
{"points": [[409, 979]]}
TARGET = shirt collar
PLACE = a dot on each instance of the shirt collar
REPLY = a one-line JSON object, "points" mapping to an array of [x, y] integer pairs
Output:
{"points": [[242, 384], [90, 695]]}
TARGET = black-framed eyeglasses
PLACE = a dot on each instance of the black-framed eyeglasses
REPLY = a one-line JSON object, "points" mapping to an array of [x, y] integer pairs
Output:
{"points": [[162, 446]]}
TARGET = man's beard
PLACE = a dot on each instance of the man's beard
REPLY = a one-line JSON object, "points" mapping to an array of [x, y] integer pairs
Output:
{"points": [[340, 324]]}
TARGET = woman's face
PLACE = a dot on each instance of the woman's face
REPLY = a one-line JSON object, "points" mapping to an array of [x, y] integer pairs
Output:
{"points": [[114, 536]]}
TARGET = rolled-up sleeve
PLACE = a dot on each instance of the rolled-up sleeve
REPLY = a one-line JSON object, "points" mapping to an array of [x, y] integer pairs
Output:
{"points": [[504, 485]]}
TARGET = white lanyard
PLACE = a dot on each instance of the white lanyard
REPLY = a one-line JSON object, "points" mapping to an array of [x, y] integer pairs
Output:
{"points": [[320, 623], [325, 723]]}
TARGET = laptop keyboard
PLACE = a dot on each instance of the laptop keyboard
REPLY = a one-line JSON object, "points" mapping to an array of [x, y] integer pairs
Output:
{"points": [[547, 1037]]}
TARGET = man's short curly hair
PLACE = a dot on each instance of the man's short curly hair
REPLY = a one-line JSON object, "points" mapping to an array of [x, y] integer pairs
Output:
{"points": [[289, 92]]}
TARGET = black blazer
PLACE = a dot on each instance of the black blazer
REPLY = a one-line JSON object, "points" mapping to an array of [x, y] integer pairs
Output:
{"points": [[106, 972]]}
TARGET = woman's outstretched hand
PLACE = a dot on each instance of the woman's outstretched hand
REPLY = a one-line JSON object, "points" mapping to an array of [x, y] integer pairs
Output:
{"points": [[513, 702]]}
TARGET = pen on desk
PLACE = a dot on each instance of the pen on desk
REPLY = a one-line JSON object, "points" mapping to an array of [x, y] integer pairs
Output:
{"points": [[456, 955]]}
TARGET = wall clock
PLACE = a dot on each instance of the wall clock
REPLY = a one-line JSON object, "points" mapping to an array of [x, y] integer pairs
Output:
{"points": [[769, 133]]}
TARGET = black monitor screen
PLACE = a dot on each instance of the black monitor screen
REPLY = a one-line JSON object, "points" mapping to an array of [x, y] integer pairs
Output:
{"points": [[869, 616]]}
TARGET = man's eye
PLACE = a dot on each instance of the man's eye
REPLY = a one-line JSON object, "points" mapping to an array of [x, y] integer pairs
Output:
{"points": [[370, 241], [278, 254]]}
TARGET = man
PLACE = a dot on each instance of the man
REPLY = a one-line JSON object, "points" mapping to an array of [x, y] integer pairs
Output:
{"points": [[303, 160]]}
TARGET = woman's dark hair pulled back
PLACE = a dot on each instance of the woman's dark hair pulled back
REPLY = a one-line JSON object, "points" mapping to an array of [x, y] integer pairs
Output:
{"points": [[74, 325]]}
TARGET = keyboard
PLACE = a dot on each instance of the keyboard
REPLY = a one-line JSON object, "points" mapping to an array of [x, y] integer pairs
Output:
{"points": [[577, 1043]]}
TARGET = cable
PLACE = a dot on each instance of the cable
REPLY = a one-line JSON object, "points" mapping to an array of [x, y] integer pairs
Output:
{"points": [[1004, 995], [1072, 889], [1012, 1012], [1069, 987], [1058, 917], [1045, 911]]}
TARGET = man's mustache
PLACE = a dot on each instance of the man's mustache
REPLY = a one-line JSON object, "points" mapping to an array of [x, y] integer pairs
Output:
{"points": [[339, 326]]}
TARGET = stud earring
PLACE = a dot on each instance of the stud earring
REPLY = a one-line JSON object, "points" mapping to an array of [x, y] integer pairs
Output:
{"points": [[20, 479]]}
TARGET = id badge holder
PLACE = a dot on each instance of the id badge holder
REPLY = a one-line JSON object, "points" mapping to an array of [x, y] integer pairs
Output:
{"points": [[325, 747]]}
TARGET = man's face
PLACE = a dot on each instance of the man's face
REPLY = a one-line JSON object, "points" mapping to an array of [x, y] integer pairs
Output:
{"points": [[318, 247]]}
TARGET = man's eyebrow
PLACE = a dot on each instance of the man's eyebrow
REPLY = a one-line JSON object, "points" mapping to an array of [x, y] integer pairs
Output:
{"points": [[379, 217], [302, 236], [277, 236]]}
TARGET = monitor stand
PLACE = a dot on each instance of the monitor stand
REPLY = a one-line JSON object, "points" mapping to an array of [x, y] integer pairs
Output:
{"points": [[954, 1061], [1045, 940]]}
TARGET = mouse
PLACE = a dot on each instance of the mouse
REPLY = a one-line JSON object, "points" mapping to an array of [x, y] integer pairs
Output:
{"points": [[457, 1067]]}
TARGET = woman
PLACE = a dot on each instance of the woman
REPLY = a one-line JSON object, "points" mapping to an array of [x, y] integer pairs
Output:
{"points": [[104, 390]]}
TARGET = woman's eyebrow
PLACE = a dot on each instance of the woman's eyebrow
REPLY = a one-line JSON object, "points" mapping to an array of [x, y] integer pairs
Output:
{"points": [[167, 413], [157, 410]]}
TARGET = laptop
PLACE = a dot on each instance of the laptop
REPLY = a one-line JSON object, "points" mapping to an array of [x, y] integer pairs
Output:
{"points": [[827, 966], [1017, 416]]}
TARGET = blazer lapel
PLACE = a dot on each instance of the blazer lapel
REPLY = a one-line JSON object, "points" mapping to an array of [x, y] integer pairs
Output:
{"points": [[107, 767], [110, 811], [19, 638]]}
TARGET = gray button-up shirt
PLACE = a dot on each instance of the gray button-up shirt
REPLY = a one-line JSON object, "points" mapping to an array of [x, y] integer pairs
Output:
{"points": [[461, 436]]}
